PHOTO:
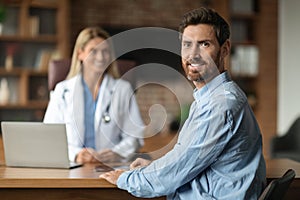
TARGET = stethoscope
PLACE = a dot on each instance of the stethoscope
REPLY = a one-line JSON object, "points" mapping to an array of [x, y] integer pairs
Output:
{"points": [[105, 116]]}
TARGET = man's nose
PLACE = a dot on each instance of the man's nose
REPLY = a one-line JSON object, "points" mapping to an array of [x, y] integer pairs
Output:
{"points": [[195, 52]]}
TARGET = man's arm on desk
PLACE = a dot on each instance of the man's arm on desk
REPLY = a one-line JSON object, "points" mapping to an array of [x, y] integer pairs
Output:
{"points": [[113, 176]]}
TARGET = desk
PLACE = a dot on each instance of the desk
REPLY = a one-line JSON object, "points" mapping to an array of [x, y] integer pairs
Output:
{"points": [[83, 183], [53, 184]]}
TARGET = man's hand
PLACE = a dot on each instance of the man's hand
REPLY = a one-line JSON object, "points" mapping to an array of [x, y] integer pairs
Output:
{"points": [[112, 176], [139, 162]]}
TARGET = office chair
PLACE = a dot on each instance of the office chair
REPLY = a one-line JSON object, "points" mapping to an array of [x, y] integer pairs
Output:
{"points": [[277, 188], [57, 71], [288, 145]]}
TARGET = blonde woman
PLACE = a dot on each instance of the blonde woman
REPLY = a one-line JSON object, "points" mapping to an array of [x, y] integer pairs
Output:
{"points": [[100, 112]]}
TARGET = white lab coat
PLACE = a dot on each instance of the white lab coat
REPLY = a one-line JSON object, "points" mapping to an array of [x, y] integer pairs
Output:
{"points": [[123, 134]]}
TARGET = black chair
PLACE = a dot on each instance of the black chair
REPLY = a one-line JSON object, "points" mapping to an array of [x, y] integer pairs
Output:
{"points": [[278, 188], [288, 145]]}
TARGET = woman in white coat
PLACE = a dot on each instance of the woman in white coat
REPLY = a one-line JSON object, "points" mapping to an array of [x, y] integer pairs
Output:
{"points": [[100, 111]]}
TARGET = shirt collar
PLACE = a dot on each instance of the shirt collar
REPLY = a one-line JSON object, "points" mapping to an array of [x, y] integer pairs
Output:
{"points": [[211, 86]]}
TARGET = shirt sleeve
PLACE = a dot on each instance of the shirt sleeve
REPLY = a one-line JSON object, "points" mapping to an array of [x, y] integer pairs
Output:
{"points": [[201, 140], [73, 151], [53, 112]]}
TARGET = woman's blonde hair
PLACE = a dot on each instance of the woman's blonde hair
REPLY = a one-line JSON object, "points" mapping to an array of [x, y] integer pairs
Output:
{"points": [[83, 38]]}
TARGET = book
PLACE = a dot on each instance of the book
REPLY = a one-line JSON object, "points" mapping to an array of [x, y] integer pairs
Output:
{"points": [[244, 60], [34, 23], [42, 60]]}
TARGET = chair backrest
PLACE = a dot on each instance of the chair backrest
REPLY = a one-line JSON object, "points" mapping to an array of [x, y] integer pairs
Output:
{"points": [[294, 132], [287, 146], [277, 188], [57, 71]]}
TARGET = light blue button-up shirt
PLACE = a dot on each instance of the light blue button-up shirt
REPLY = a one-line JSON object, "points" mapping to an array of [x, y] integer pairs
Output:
{"points": [[218, 154]]}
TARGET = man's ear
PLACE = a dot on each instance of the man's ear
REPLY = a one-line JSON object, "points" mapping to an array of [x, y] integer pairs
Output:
{"points": [[225, 48]]}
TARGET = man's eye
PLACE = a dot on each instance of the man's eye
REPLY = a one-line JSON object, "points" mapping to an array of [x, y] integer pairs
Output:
{"points": [[204, 44], [186, 45]]}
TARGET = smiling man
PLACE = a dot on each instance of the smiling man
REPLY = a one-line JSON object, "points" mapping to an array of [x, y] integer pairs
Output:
{"points": [[218, 154]]}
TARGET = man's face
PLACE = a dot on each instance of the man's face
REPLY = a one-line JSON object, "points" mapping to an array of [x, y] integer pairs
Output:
{"points": [[202, 56]]}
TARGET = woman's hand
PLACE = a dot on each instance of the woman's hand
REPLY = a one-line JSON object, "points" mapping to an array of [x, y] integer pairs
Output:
{"points": [[86, 155], [89, 155], [107, 155]]}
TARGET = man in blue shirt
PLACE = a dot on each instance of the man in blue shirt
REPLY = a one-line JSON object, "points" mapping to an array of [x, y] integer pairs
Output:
{"points": [[218, 154]]}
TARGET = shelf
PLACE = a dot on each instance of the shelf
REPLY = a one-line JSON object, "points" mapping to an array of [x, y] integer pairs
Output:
{"points": [[19, 70], [44, 4], [29, 106], [244, 77], [40, 38], [14, 72], [243, 16]]}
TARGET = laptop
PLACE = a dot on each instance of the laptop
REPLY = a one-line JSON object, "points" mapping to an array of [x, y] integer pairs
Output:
{"points": [[36, 144]]}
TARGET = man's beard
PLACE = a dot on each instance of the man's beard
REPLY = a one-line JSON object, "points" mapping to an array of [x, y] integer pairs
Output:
{"points": [[211, 71]]}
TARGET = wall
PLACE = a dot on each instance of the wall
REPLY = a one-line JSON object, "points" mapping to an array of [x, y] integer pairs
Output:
{"points": [[267, 33], [289, 68], [129, 13]]}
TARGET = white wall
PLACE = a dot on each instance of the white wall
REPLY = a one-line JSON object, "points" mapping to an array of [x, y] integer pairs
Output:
{"points": [[289, 64]]}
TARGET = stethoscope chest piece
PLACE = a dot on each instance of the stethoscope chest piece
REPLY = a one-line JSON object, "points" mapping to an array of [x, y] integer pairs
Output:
{"points": [[106, 117]]}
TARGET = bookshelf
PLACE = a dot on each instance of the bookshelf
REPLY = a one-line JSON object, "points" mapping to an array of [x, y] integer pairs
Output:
{"points": [[244, 59], [33, 32]]}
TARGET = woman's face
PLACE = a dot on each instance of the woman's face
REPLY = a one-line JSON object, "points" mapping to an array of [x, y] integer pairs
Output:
{"points": [[95, 55]]}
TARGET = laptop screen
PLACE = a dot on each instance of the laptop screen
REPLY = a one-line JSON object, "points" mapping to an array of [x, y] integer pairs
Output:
{"points": [[35, 144]]}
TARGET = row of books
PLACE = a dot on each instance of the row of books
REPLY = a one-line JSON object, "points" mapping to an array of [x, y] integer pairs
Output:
{"points": [[244, 60]]}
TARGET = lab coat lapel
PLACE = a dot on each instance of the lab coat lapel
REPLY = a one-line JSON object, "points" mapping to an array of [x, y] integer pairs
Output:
{"points": [[76, 89]]}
